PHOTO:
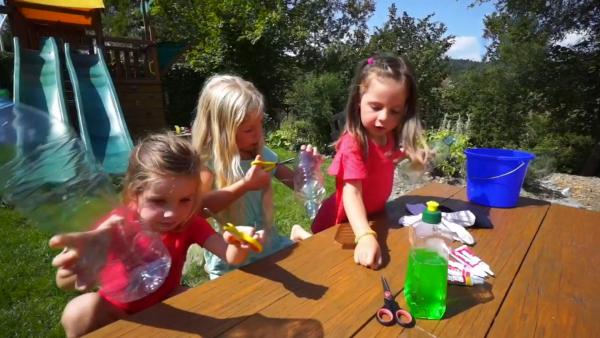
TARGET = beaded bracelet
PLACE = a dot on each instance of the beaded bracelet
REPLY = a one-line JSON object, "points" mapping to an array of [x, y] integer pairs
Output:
{"points": [[366, 233]]}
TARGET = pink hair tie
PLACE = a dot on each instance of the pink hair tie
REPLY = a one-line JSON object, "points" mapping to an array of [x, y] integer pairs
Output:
{"points": [[370, 60]]}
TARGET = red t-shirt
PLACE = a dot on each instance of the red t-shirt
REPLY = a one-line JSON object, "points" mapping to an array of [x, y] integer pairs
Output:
{"points": [[197, 230], [376, 175]]}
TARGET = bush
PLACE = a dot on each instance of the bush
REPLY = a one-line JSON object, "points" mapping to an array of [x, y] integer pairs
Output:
{"points": [[292, 134], [313, 100], [448, 144], [568, 152]]}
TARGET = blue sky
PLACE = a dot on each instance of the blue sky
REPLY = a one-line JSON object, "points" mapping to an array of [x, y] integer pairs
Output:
{"points": [[465, 23]]}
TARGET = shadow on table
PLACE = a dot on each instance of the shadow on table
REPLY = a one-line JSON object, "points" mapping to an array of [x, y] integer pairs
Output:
{"points": [[269, 269], [462, 298], [167, 317]]}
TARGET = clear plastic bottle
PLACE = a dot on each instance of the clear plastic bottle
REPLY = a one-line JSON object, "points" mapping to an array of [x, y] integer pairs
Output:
{"points": [[425, 287], [308, 182], [440, 151], [48, 176]]}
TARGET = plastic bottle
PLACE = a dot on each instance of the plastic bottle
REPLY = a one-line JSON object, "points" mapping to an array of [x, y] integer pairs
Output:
{"points": [[49, 177], [440, 152], [308, 182], [427, 272]]}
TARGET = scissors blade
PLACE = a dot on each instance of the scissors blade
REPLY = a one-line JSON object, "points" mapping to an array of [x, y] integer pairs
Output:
{"points": [[386, 286], [286, 161]]}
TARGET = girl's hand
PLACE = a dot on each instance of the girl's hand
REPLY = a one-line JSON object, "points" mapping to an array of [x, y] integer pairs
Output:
{"points": [[367, 252], [256, 177], [231, 239], [83, 256], [420, 157], [314, 152]]}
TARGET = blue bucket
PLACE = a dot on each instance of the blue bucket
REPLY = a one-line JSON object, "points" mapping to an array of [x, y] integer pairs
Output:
{"points": [[495, 176]]}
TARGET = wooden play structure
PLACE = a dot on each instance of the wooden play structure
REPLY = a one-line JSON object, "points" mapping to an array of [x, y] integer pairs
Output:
{"points": [[133, 63]]}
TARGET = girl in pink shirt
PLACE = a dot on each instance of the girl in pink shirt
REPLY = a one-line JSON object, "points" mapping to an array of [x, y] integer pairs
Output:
{"points": [[382, 127]]}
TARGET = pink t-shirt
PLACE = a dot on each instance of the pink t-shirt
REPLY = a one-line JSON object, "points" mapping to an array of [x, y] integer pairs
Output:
{"points": [[376, 175], [197, 230]]}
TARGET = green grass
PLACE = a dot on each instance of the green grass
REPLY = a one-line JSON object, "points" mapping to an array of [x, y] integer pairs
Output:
{"points": [[30, 302], [289, 209]]}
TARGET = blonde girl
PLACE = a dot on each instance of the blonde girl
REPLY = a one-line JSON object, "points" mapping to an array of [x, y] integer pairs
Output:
{"points": [[228, 133]]}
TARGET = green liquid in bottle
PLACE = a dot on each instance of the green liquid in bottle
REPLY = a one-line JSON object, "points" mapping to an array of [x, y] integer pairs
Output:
{"points": [[426, 284]]}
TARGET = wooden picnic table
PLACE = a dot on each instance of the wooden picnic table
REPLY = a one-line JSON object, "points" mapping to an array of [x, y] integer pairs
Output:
{"points": [[544, 255]]}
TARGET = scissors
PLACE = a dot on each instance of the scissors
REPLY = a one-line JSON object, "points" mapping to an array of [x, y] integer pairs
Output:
{"points": [[268, 166], [391, 312], [239, 235]]}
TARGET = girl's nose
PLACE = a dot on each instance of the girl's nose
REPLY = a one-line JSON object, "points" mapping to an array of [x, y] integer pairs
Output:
{"points": [[383, 114], [168, 213]]}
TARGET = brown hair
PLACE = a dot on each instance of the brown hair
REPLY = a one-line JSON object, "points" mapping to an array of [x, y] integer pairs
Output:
{"points": [[159, 155], [409, 131]]}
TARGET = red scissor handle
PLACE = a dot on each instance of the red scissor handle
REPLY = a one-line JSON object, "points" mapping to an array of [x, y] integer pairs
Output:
{"points": [[404, 318], [385, 316]]}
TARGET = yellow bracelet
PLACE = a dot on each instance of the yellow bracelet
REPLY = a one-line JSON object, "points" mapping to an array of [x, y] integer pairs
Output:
{"points": [[366, 233]]}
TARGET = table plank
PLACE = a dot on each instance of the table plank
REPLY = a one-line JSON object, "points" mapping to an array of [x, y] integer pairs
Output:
{"points": [[556, 293], [354, 292], [471, 310]]}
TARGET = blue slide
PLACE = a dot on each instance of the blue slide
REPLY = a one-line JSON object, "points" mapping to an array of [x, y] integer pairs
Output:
{"points": [[38, 84], [101, 123], [38, 79]]}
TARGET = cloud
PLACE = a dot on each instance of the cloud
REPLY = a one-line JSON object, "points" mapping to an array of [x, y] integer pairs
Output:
{"points": [[572, 38], [465, 47]]}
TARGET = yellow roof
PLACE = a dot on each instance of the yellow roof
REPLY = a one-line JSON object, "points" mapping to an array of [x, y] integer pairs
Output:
{"points": [[50, 10], [68, 3]]}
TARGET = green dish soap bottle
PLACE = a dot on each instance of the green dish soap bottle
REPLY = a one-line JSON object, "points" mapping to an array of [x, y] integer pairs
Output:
{"points": [[426, 282]]}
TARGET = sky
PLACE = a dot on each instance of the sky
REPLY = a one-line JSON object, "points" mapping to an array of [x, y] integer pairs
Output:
{"points": [[465, 23]]}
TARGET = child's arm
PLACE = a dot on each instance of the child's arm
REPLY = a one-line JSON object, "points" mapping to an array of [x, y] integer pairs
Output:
{"points": [[367, 251], [216, 200], [285, 175], [228, 248], [83, 256]]}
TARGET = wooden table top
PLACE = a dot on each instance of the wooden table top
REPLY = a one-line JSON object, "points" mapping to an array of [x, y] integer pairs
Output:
{"points": [[543, 256]]}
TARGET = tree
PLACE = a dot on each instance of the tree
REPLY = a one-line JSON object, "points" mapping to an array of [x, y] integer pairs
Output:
{"points": [[122, 18], [267, 42], [557, 82]]}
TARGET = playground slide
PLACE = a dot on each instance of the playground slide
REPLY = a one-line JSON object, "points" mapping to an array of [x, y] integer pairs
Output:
{"points": [[38, 79], [101, 123], [38, 84]]}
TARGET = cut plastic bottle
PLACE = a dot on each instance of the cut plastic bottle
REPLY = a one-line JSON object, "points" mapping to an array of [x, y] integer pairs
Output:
{"points": [[47, 175], [308, 182]]}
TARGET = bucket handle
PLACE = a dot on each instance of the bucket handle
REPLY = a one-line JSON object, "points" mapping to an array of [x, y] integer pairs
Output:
{"points": [[499, 176]]}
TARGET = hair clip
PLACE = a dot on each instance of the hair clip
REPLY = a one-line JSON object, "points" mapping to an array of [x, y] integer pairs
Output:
{"points": [[371, 60]]}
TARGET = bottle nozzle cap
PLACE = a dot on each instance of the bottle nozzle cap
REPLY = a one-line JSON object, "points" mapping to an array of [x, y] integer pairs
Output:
{"points": [[432, 215], [432, 206]]}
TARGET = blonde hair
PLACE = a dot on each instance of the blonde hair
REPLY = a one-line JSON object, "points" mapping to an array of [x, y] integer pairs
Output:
{"points": [[409, 132], [225, 102], [158, 156]]}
